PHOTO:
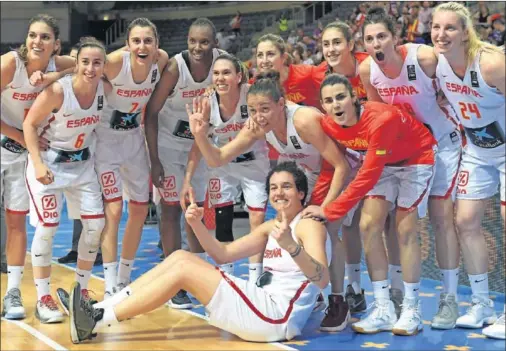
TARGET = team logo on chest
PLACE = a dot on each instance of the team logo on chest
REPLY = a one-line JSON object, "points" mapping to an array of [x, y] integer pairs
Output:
{"points": [[153, 75], [295, 142], [244, 111], [474, 80], [411, 72], [100, 103]]}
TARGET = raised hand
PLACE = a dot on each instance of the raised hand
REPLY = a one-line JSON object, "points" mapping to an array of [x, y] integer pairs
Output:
{"points": [[199, 115], [282, 231], [193, 213]]}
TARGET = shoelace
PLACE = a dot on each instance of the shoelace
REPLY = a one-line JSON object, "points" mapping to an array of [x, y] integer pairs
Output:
{"points": [[501, 320], [377, 310], [444, 308], [474, 308], [409, 311], [49, 302], [15, 299]]}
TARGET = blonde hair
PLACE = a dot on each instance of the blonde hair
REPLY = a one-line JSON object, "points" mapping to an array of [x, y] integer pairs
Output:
{"points": [[474, 44]]}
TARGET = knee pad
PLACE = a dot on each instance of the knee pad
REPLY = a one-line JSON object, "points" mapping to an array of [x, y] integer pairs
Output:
{"points": [[224, 219], [89, 243], [42, 245]]}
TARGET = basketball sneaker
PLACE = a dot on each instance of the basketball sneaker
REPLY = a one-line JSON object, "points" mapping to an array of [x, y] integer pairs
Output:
{"points": [[396, 295], [63, 298], [410, 322], [181, 301], [83, 317], [337, 314], [47, 311], [381, 317], [496, 330], [447, 314], [13, 305], [320, 304], [481, 312], [356, 301]]}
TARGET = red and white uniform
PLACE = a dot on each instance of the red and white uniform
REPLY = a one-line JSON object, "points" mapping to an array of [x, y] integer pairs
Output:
{"points": [[174, 136], [276, 311], [17, 98], [248, 170], [480, 109], [415, 92], [70, 158], [306, 156], [398, 166], [121, 158]]}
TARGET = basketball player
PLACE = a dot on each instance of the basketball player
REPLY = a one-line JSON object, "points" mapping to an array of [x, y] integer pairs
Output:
{"points": [[227, 114], [276, 308], [398, 147], [472, 76], [67, 112], [404, 76], [24, 74], [169, 138], [121, 159]]}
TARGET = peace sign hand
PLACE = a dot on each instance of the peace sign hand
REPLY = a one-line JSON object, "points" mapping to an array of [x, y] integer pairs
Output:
{"points": [[282, 231], [193, 213], [199, 115]]}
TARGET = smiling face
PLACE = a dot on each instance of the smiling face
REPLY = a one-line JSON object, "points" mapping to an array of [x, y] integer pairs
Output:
{"points": [[142, 44], [264, 111], [336, 49], [90, 64], [269, 57], [41, 42], [225, 77], [201, 43], [379, 42], [448, 34], [283, 193], [338, 103]]}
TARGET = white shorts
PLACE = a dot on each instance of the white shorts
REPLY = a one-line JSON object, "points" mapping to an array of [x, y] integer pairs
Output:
{"points": [[15, 197], [447, 166], [250, 176], [78, 181], [174, 166], [122, 166], [405, 187], [255, 314], [479, 178]]}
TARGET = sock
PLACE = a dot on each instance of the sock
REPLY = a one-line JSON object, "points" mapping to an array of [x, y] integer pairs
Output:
{"points": [[479, 284], [380, 290], [227, 268], [202, 255], [353, 273], [14, 277], [255, 271], [395, 274], [108, 319], [411, 290], [125, 270], [83, 277], [450, 280], [42, 286], [115, 299], [110, 273]]}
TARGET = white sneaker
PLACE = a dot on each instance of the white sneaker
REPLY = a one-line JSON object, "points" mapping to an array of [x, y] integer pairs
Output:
{"points": [[47, 311], [496, 330], [410, 322], [381, 317], [480, 313]]}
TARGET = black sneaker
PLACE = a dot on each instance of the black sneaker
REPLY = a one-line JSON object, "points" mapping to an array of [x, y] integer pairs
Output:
{"points": [[356, 302], [71, 257], [98, 260], [63, 297], [181, 301], [337, 314], [83, 317]]}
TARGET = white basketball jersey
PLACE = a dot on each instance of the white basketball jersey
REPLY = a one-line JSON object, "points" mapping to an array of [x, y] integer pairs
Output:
{"points": [[173, 123], [71, 128], [416, 93], [224, 132], [305, 155], [126, 102], [480, 108]]}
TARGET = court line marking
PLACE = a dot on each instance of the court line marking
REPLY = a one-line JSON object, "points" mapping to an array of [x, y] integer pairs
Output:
{"points": [[37, 334], [190, 312]]}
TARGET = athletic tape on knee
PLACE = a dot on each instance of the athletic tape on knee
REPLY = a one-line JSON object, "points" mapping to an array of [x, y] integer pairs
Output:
{"points": [[224, 219], [42, 245], [89, 242]]}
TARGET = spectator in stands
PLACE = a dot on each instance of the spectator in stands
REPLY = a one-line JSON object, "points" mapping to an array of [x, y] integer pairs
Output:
{"points": [[424, 18], [292, 38], [307, 58], [309, 43], [413, 30], [318, 55], [497, 35], [235, 23], [482, 15], [298, 54], [225, 39], [300, 34], [361, 13], [317, 32], [283, 24]]}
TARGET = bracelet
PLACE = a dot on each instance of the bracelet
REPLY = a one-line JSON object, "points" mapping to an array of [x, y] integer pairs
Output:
{"points": [[297, 251]]}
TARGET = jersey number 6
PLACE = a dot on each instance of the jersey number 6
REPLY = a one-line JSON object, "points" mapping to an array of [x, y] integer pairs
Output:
{"points": [[79, 140]]}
